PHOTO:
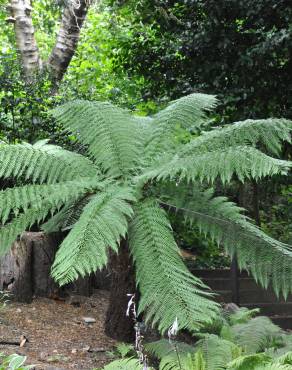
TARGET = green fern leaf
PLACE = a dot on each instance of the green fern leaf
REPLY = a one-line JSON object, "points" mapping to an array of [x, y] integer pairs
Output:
{"points": [[249, 362], [102, 224], [44, 163], [168, 290], [188, 112], [125, 364], [270, 133], [112, 134], [217, 352], [28, 211], [244, 162], [265, 257], [256, 335], [164, 347], [16, 200]]}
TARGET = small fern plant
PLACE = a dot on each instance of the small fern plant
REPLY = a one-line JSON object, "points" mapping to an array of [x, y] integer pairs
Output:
{"points": [[244, 343], [133, 168]]}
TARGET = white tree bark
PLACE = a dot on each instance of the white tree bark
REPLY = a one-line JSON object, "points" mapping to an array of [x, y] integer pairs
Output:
{"points": [[24, 33], [73, 17]]}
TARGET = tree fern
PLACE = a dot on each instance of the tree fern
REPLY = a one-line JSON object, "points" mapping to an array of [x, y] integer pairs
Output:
{"points": [[161, 274], [114, 192]]}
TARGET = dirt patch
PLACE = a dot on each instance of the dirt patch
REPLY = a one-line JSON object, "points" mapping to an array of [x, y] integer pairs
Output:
{"points": [[58, 336]]}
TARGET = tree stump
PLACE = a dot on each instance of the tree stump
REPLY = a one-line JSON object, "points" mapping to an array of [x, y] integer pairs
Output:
{"points": [[43, 247], [25, 269], [15, 271]]}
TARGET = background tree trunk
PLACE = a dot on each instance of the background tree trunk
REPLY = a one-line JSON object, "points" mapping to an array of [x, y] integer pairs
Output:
{"points": [[73, 17], [67, 39], [117, 324], [24, 33]]}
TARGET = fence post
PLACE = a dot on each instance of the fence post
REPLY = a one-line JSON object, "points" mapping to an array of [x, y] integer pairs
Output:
{"points": [[234, 276]]}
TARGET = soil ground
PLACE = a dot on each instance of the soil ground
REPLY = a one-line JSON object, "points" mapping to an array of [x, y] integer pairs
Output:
{"points": [[58, 337]]}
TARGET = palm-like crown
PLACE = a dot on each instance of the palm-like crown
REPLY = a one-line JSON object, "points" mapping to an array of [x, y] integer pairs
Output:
{"points": [[134, 165]]}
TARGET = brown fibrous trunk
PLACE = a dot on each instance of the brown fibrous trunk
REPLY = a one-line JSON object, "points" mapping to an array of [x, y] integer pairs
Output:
{"points": [[118, 325]]}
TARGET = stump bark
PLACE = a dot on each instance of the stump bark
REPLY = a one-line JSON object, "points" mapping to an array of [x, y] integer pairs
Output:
{"points": [[25, 269], [117, 324], [15, 271]]}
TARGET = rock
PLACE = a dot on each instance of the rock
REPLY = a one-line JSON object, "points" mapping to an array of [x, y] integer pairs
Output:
{"points": [[76, 300], [230, 308], [86, 349], [97, 349], [89, 320]]}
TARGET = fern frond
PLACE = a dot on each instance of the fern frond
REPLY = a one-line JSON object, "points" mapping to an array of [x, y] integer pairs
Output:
{"points": [[188, 112], [18, 199], [103, 222], [48, 200], [43, 163], [125, 364], [162, 348], [244, 162], [168, 289], [217, 352], [10, 231], [285, 359], [267, 259], [273, 367], [256, 335], [112, 134], [249, 362], [270, 133], [242, 315], [67, 216]]}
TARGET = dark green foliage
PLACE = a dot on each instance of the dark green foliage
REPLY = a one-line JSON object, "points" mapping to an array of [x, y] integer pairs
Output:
{"points": [[240, 50]]}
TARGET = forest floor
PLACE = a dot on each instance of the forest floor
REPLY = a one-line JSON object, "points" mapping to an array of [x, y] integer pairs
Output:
{"points": [[58, 336]]}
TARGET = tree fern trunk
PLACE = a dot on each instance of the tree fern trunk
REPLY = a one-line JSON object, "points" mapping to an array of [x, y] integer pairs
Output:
{"points": [[118, 325]]}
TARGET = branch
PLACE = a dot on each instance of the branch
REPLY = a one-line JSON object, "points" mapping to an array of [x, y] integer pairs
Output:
{"points": [[73, 17], [24, 31]]}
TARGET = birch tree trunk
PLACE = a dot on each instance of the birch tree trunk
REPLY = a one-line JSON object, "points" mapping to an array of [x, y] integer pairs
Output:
{"points": [[74, 14], [67, 39], [24, 33]]}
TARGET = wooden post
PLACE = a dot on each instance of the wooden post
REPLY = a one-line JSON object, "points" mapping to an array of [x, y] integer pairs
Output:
{"points": [[234, 276]]}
